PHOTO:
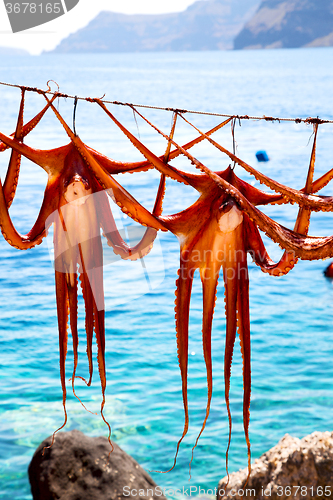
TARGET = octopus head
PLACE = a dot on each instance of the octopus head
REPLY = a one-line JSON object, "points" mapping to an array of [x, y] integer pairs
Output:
{"points": [[230, 217], [76, 190]]}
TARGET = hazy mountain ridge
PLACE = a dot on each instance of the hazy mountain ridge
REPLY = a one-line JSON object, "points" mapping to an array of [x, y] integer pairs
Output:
{"points": [[204, 25], [288, 24]]}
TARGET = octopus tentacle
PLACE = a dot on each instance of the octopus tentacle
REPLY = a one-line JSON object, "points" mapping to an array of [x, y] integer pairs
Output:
{"points": [[209, 278], [89, 321], [44, 220], [193, 180], [62, 311], [21, 131], [322, 181], [164, 168], [47, 159], [260, 256], [305, 247], [253, 194], [71, 282], [96, 280], [11, 180], [243, 323], [146, 244], [15, 239], [155, 160], [91, 257], [230, 290], [256, 196], [114, 167], [28, 127], [288, 259], [114, 238], [324, 203], [317, 185], [110, 230], [182, 310], [125, 201], [66, 259]]}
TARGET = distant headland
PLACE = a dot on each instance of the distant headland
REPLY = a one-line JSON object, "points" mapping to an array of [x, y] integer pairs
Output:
{"points": [[209, 25]]}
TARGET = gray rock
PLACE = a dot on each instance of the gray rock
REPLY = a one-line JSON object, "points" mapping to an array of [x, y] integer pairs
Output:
{"points": [[78, 467], [288, 24], [297, 469]]}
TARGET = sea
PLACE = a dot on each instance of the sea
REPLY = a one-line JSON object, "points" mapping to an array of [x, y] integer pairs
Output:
{"points": [[291, 316]]}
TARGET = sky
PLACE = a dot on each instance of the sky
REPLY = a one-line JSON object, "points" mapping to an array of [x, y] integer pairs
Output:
{"points": [[48, 36]]}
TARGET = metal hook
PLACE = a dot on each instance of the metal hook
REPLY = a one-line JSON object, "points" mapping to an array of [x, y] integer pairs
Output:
{"points": [[315, 127], [74, 114], [134, 115], [48, 86], [233, 124]]}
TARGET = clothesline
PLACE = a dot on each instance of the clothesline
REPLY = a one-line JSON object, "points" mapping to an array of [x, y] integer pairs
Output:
{"points": [[309, 120]]}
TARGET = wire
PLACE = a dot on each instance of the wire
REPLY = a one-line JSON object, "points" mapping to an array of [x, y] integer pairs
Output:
{"points": [[174, 110]]}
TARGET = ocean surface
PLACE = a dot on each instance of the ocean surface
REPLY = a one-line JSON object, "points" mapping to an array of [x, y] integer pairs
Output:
{"points": [[291, 316]]}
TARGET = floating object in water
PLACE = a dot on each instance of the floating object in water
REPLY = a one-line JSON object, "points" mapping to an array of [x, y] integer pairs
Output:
{"points": [[262, 156], [329, 271]]}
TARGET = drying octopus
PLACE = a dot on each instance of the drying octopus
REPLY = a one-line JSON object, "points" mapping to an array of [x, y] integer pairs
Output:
{"points": [[216, 232]]}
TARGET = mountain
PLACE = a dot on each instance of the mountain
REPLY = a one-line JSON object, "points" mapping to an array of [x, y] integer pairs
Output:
{"points": [[204, 25], [288, 24]]}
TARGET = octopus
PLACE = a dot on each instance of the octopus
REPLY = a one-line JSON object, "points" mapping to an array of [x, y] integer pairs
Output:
{"points": [[214, 233], [76, 202]]}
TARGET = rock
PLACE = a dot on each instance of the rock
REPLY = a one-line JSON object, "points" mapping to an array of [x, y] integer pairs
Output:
{"points": [[288, 24], [78, 467], [297, 469]]}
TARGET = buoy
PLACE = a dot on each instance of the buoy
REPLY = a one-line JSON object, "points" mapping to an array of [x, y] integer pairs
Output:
{"points": [[329, 271], [262, 156]]}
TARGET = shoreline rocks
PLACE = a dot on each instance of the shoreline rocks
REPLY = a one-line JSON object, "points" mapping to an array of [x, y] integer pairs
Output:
{"points": [[78, 467], [297, 469]]}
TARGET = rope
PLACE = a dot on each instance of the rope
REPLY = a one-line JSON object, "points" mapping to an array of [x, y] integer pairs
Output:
{"points": [[308, 120]]}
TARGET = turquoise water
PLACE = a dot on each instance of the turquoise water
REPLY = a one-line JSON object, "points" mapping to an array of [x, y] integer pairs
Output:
{"points": [[291, 317]]}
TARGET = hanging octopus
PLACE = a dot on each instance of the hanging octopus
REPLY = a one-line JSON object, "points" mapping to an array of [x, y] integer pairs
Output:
{"points": [[217, 231], [76, 202]]}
